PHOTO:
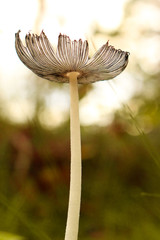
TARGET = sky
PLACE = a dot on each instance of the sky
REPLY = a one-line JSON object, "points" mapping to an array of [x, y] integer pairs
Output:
{"points": [[78, 20]]}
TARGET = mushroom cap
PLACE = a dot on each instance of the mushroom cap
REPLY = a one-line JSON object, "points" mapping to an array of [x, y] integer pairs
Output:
{"points": [[71, 56]]}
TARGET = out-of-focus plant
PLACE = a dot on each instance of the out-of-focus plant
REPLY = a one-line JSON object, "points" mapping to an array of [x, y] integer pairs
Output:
{"points": [[9, 236]]}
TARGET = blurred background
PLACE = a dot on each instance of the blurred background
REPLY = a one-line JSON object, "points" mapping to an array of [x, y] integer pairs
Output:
{"points": [[120, 123]]}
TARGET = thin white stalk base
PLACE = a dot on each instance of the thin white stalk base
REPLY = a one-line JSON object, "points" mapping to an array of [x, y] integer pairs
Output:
{"points": [[75, 172]]}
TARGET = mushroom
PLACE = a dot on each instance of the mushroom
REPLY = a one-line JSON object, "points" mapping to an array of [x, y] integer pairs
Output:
{"points": [[70, 64]]}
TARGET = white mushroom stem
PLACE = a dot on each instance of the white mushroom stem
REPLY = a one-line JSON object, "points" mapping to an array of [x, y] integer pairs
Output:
{"points": [[75, 172]]}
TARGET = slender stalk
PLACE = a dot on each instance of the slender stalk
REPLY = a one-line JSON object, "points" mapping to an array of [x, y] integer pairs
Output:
{"points": [[75, 174]]}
